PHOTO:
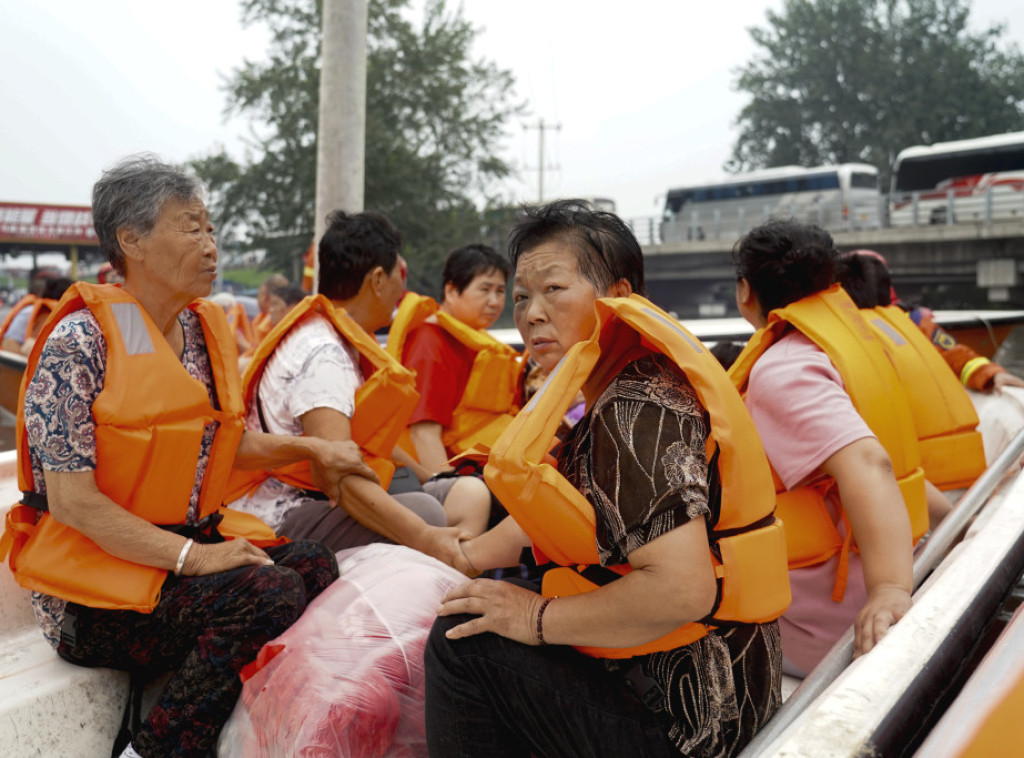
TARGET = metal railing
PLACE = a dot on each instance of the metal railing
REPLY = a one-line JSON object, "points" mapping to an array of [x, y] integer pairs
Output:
{"points": [[934, 550], [920, 209]]}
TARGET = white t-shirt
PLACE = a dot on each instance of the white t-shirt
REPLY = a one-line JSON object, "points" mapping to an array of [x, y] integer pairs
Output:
{"points": [[312, 367]]}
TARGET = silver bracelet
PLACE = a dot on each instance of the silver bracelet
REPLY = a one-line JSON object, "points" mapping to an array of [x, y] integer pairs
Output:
{"points": [[182, 556]]}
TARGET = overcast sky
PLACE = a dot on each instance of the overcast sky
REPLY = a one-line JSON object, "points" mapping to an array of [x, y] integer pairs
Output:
{"points": [[643, 95]]}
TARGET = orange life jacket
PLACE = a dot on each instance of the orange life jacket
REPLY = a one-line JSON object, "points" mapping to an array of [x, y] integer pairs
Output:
{"points": [[383, 403], [150, 417], [747, 544], [260, 327], [238, 322], [309, 268], [489, 401], [952, 453], [830, 319], [37, 304]]}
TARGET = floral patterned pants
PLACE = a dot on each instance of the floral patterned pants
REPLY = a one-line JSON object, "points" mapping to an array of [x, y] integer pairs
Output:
{"points": [[204, 630]]}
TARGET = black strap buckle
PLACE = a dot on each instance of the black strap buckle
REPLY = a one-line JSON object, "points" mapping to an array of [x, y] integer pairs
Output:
{"points": [[645, 687], [35, 500], [204, 532]]}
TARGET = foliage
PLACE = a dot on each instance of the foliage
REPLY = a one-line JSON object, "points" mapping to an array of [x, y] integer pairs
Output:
{"points": [[434, 118], [836, 81], [245, 277]]}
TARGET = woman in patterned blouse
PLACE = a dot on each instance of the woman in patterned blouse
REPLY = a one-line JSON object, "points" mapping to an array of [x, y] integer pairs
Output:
{"points": [[221, 600], [639, 457]]}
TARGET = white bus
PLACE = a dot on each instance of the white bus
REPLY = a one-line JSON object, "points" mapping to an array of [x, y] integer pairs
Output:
{"points": [[973, 180], [834, 197]]}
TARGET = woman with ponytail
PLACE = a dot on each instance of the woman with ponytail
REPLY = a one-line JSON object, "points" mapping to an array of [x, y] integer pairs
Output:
{"points": [[834, 422]]}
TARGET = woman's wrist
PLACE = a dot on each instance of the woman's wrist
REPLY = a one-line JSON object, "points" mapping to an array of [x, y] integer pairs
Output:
{"points": [[182, 556], [540, 620], [469, 561]]}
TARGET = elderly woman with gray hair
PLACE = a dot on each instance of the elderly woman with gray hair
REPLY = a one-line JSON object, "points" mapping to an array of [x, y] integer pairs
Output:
{"points": [[131, 423]]}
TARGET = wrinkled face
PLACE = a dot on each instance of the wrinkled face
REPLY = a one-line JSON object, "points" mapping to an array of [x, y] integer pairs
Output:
{"points": [[553, 304], [481, 303], [180, 253]]}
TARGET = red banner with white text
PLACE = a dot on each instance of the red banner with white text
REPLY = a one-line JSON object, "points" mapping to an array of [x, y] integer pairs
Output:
{"points": [[58, 224]]}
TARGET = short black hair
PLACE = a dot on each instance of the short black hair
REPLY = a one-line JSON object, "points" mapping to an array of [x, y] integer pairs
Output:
{"points": [[55, 288], [784, 261], [606, 249], [866, 280], [352, 246], [291, 294], [466, 263], [726, 351]]}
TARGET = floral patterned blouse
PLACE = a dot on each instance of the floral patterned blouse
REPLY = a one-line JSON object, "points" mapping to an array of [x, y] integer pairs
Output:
{"points": [[58, 414], [639, 457]]}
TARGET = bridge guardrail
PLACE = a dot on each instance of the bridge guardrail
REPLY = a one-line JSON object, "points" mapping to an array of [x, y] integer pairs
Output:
{"points": [[917, 210]]}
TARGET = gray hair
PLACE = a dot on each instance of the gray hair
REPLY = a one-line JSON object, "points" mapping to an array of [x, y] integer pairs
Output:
{"points": [[132, 193]]}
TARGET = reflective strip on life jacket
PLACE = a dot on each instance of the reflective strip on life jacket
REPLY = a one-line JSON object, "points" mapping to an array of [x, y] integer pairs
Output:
{"points": [[748, 548]]}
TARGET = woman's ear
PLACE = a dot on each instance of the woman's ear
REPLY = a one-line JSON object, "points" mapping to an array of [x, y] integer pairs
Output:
{"points": [[450, 292], [743, 292], [128, 239], [748, 304], [621, 288]]}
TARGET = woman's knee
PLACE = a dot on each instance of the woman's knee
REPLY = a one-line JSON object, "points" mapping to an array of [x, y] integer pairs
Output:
{"points": [[438, 649], [313, 561], [277, 592], [425, 506]]}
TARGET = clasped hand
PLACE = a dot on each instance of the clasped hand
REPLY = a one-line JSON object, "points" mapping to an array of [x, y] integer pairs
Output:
{"points": [[335, 460]]}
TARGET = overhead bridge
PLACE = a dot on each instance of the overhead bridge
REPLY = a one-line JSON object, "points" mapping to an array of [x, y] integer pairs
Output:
{"points": [[973, 265]]}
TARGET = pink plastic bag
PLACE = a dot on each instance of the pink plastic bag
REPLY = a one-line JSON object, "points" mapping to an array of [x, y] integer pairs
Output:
{"points": [[347, 679]]}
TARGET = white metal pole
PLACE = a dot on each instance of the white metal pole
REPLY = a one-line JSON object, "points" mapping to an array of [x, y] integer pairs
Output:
{"points": [[341, 128]]}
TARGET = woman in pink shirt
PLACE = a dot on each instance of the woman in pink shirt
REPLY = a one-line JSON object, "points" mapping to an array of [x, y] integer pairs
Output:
{"points": [[813, 435]]}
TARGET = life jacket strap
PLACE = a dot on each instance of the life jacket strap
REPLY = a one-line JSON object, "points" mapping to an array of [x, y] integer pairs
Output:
{"points": [[843, 569], [599, 575], [35, 500]]}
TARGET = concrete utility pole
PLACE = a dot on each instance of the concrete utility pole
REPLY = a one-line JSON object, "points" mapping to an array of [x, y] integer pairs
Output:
{"points": [[541, 127], [341, 130]]}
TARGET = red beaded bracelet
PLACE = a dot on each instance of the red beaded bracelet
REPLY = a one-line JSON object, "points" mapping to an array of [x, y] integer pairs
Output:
{"points": [[540, 620]]}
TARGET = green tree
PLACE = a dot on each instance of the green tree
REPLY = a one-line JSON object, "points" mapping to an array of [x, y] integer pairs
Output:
{"points": [[858, 80], [434, 118]]}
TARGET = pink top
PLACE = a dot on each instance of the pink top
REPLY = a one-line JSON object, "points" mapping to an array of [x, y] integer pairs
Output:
{"points": [[803, 414]]}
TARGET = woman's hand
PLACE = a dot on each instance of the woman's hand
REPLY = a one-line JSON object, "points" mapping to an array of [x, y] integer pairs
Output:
{"points": [[874, 504], [223, 556], [333, 461], [443, 543], [884, 607], [500, 607]]}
